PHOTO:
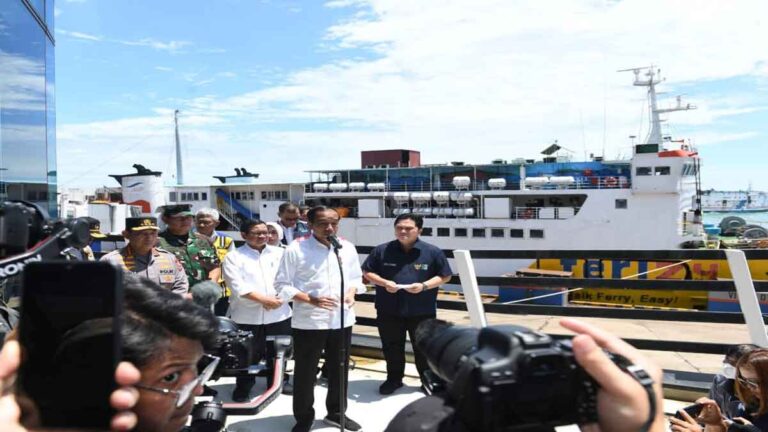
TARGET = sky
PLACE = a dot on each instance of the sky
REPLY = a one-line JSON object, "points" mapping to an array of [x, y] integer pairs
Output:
{"points": [[281, 87]]}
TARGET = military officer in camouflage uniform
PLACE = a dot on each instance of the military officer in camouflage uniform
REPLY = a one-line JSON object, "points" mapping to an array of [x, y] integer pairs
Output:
{"points": [[197, 255], [141, 257]]}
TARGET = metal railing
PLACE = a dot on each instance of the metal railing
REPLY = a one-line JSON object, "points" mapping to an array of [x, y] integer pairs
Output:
{"points": [[588, 183], [742, 284]]}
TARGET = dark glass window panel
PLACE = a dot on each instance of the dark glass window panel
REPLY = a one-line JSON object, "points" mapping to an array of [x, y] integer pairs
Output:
{"points": [[460, 232], [537, 233], [516, 233]]}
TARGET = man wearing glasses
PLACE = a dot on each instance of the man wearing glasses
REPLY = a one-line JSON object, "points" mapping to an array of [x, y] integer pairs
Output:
{"points": [[165, 336], [289, 219], [249, 272], [407, 272]]}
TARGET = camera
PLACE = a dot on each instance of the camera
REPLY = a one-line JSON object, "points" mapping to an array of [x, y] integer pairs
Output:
{"points": [[237, 348], [502, 378]]}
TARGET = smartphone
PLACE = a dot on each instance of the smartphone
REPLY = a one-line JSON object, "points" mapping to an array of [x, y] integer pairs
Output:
{"points": [[692, 410], [69, 333]]}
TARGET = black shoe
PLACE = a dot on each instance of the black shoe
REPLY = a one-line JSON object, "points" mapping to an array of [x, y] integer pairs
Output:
{"points": [[302, 427], [287, 388], [241, 394], [389, 387], [349, 424]]}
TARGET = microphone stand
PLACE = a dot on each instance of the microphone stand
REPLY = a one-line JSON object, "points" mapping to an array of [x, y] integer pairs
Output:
{"points": [[342, 345]]}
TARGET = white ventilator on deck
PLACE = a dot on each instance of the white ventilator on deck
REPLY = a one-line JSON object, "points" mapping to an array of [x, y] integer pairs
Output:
{"points": [[357, 187], [421, 197], [320, 187], [497, 183], [468, 278], [401, 197], [337, 187], [461, 182], [441, 197], [376, 187], [745, 288], [461, 196]]}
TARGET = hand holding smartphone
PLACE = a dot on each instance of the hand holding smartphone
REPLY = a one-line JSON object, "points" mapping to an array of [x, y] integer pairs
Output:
{"points": [[69, 332]]}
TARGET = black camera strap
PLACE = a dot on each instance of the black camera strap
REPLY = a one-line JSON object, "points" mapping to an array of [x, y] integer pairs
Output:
{"points": [[644, 378]]}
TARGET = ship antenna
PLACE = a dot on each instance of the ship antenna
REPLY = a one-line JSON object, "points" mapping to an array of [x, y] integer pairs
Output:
{"points": [[179, 169]]}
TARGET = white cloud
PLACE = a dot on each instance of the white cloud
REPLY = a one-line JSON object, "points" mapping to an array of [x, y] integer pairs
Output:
{"points": [[75, 1], [170, 46], [481, 79], [80, 35], [56, 12], [163, 69]]}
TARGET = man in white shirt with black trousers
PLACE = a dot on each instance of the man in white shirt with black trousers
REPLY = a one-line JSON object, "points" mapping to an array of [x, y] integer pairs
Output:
{"points": [[249, 272], [309, 275]]}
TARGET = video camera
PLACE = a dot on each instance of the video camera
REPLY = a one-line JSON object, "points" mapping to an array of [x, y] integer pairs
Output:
{"points": [[241, 356], [499, 378]]}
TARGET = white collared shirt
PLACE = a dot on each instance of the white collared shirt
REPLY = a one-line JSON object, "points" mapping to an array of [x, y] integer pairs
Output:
{"points": [[311, 267], [246, 270], [288, 233]]}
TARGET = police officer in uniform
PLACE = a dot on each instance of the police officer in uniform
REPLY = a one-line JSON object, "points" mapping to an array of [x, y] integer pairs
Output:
{"points": [[141, 257], [197, 256]]}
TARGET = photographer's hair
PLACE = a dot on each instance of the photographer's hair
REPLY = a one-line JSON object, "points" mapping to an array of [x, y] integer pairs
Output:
{"points": [[250, 223], [756, 359], [154, 315], [312, 214], [287, 207], [207, 211], [735, 352], [417, 219]]}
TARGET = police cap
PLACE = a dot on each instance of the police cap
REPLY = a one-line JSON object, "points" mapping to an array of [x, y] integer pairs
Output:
{"points": [[94, 226], [141, 224]]}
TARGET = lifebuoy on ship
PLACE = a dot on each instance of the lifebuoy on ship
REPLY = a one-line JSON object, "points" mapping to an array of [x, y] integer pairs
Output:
{"points": [[611, 182]]}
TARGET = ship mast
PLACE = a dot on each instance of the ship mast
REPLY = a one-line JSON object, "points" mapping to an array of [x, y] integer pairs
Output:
{"points": [[179, 170], [651, 78]]}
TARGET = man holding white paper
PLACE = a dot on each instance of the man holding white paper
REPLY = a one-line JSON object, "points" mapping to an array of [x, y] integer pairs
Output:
{"points": [[407, 272]]}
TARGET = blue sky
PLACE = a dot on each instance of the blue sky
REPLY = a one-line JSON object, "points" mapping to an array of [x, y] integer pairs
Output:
{"points": [[286, 86]]}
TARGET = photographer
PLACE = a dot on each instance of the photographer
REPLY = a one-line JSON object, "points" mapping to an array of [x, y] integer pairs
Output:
{"points": [[165, 336], [250, 272]]}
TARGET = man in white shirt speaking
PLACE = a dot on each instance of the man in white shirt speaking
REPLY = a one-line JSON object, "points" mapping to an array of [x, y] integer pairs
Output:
{"points": [[309, 274], [249, 272]]}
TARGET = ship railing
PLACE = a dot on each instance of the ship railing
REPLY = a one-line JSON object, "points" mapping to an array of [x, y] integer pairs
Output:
{"points": [[682, 385], [591, 182]]}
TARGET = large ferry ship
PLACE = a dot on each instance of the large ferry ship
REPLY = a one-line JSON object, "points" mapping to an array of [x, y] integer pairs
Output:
{"points": [[742, 201], [651, 201]]}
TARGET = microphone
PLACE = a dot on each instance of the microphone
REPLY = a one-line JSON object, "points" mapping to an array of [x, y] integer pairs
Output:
{"points": [[206, 293], [334, 241]]}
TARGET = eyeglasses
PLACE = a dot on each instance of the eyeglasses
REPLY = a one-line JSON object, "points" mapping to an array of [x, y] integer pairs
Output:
{"points": [[185, 392], [749, 382]]}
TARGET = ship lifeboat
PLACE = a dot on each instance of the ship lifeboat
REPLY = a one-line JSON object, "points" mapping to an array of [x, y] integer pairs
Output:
{"points": [[677, 153]]}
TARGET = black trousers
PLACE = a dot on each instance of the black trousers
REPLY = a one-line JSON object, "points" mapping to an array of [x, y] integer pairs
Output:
{"points": [[260, 333], [392, 329], [307, 347]]}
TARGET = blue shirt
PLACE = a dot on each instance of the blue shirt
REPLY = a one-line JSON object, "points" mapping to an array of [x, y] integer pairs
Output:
{"points": [[423, 262]]}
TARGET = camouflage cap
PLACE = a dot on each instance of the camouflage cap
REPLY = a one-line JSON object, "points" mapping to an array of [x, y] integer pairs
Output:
{"points": [[176, 210]]}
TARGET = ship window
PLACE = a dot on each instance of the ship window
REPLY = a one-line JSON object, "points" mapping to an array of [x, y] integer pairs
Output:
{"points": [[621, 204], [426, 231], [196, 196], [643, 171], [204, 196], [252, 195], [516, 233], [662, 170], [497, 232], [537, 233], [263, 195], [443, 232], [183, 196], [460, 232], [478, 232], [172, 197]]}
